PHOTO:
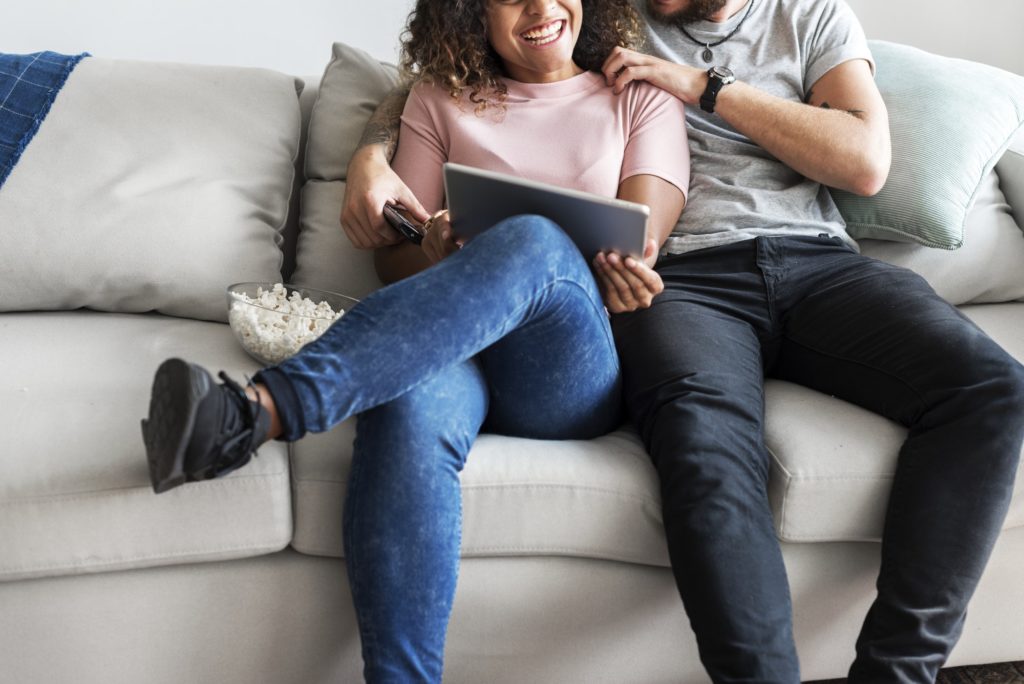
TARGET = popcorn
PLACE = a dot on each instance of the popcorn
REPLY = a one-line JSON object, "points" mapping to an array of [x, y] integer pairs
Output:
{"points": [[282, 326]]}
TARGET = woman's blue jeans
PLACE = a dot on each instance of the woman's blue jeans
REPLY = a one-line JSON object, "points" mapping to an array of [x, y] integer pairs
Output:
{"points": [[814, 312], [507, 335]]}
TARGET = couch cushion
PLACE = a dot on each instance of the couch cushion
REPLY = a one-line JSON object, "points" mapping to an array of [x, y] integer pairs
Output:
{"points": [[352, 86], [325, 257], [74, 486], [830, 479], [596, 499], [987, 268], [940, 153], [150, 186], [833, 462]]}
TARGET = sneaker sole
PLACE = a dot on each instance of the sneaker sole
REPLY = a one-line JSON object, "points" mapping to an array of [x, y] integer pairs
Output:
{"points": [[178, 388]]}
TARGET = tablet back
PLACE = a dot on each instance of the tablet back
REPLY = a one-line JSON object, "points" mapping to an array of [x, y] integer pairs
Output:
{"points": [[478, 199]]}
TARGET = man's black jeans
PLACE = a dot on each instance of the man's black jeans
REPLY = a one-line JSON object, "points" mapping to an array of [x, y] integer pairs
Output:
{"points": [[812, 311]]}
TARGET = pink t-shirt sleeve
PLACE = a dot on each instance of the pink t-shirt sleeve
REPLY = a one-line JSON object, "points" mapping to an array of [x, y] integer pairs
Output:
{"points": [[657, 143], [422, 149]]}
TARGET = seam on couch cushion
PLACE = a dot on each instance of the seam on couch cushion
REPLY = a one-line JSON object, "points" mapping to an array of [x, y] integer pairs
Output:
{"points": [[203, 553], [209, 486], [297, 482], [553, 486], [841, 478]]}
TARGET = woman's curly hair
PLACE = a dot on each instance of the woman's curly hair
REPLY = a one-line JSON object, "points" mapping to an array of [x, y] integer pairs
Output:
{"points": [[445, 43]]}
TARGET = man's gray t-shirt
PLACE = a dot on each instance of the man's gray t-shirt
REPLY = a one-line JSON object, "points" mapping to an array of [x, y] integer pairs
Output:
{"points": [[738, 190]]}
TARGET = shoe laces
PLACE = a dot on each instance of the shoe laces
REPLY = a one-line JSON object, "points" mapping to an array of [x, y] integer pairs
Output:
{"points": [[240, 426]]}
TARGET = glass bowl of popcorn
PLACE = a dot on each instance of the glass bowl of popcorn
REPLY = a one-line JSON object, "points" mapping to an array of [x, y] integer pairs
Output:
{"points": [[272, 321]]}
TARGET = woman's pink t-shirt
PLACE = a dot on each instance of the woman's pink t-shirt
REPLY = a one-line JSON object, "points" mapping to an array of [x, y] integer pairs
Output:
{"points": [[575, 133]]}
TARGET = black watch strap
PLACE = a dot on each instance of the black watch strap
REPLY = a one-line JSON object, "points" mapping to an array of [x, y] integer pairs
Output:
{"points": [[710, 95], [718, 77]]}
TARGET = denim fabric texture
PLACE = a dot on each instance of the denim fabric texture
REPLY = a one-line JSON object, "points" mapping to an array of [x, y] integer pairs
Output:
{"points": [[813, 311], [507, 335]]}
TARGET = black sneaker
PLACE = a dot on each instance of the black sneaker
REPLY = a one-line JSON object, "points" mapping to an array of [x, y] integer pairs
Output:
{"points": [[198, 430]]}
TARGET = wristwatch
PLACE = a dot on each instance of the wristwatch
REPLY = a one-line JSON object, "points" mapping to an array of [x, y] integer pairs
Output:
{"points": [[718, 78]]}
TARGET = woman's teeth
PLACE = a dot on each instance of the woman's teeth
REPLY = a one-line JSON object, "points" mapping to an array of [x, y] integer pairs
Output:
{"points": [[544, 34]]}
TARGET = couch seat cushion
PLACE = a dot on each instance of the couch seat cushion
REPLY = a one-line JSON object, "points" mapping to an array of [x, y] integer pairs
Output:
{"points": [[831, 474], [74, 486], [833, 462], [595, 499]]}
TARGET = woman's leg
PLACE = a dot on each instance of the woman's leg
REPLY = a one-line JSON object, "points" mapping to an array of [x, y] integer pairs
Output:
{"points": [[403, 521], [523, 274], [555, 377]]}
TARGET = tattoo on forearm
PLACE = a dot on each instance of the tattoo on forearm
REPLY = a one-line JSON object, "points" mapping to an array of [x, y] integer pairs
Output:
{"points": [[383, 126], [857, 113]]}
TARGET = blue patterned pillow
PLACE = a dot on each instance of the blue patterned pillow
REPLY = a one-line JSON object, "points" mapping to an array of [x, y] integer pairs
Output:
{"points": [[950, 121]]}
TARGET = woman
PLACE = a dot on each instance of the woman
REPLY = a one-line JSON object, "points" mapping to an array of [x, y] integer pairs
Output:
{"points": [[507, 334]]}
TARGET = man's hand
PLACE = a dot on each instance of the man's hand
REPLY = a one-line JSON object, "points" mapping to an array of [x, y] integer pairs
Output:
{"points": [[439, 241], [372, 184], [628, 284], [838, 137], [624, 66]]}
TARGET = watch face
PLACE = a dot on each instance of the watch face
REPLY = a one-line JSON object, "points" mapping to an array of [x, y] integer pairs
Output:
{"points": [[723, 73]]}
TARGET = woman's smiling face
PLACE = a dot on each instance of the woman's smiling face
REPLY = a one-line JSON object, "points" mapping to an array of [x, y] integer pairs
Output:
{"points": [[535, 38]]}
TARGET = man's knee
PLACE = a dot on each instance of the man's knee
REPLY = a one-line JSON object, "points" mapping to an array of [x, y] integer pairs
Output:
{"points": [[1006, 401], [992, 384]]}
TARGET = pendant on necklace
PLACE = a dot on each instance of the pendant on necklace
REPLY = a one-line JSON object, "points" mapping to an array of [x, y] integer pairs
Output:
{"points": [[707, 55]]}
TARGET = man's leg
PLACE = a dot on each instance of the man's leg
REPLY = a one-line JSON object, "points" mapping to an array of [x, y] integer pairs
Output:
{"points": [[879, 336], [403, 521], [694, 382]]}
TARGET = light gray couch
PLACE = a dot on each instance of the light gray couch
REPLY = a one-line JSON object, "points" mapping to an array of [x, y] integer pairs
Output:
{"points": [[152, 186]]}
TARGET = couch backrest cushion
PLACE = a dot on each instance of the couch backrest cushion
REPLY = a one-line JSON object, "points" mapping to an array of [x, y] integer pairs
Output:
{"points": [[151, 186], [325, 258], [989, 267], [1011, 177], [950, 121], [352, 86]]}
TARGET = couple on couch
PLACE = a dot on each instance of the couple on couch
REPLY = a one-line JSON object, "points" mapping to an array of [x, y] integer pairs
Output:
{"points": [[514, 332]]}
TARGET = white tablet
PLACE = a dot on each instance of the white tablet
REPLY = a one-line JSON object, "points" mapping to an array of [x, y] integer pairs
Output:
{"points": [[478, 199]]}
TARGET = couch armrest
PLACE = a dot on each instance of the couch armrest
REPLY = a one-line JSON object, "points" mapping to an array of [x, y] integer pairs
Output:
{"points": [[1010, 170]]}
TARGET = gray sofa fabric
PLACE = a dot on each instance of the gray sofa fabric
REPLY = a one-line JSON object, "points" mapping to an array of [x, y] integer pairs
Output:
{"points": [[565, 574]]}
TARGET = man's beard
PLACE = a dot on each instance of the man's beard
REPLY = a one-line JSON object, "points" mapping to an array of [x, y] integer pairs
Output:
{"points": [[698, 10]]}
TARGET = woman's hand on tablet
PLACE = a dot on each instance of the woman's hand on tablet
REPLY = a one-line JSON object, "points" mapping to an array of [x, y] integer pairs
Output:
{"points": [[627, 283]]}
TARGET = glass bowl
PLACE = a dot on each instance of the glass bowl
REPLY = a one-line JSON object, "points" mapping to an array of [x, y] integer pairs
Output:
{"points": [[272, 321]]}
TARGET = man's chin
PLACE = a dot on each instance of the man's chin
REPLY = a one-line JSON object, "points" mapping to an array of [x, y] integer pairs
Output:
{"points": [[696, 10]]}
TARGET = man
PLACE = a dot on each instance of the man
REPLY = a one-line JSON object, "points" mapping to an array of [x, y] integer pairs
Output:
{"points": [[761, 279]]}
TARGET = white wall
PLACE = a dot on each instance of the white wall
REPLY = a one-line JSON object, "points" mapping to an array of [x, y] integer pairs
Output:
{"points": [[295, 35], [990, 31]]}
